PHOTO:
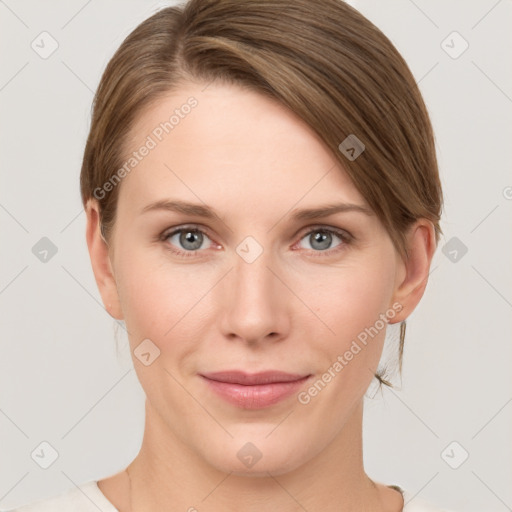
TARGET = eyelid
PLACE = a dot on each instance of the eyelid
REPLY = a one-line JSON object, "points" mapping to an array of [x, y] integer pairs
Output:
{"points": [[324, 227], [183, 227]]}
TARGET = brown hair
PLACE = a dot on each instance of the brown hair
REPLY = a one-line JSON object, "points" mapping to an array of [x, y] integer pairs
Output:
{"points": [[322, 59]]}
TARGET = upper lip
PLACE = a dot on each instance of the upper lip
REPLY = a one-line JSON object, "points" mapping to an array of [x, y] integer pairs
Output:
{"points": [[248, 379]]}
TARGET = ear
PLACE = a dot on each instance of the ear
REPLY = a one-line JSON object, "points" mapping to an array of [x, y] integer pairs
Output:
{"points": [[413, 271], [100, 260]]}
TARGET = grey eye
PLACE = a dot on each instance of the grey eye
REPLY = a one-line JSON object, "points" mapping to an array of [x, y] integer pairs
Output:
{"points": [[321, 239], [188, 239]]}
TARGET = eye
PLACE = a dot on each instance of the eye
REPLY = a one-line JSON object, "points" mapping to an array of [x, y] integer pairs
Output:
{"points": [[186, 240], [321, 239]]}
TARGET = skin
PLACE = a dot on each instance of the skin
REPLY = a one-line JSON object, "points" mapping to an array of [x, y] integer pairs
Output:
{"points": [[295, 308]]}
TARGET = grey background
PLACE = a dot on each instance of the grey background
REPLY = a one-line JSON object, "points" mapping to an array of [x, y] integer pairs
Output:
{"points": [[62, 379]]}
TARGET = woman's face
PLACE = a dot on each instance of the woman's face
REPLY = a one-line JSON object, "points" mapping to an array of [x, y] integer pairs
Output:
{"points": [[257, 285]]}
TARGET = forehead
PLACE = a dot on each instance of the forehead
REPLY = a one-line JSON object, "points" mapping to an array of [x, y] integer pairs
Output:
{"points": [[231, 142]]}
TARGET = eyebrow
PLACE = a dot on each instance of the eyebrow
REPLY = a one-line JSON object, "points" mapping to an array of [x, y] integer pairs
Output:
{"points": [[199, 210]]}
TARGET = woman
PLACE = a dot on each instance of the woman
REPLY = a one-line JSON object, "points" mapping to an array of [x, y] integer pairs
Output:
{"points": [[262, 199]]}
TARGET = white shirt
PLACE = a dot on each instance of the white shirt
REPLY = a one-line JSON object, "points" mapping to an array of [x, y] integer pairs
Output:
{"points": [[89, 498]]}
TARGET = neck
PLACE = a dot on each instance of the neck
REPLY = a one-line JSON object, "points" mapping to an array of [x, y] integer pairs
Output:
{"points": [[168, 474]]}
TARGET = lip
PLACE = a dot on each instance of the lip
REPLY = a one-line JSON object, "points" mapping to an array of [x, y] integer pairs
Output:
{"points": [[254, 391]]}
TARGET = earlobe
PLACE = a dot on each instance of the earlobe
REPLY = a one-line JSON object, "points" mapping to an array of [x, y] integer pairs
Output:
{"points": [[100, 261], [413, 272]]}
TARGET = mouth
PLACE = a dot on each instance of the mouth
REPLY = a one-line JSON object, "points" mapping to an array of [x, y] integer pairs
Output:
{"points": [[254, 391]]}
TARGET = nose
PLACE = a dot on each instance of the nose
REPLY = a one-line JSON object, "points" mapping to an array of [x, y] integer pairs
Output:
{"points": [[255, 302]]}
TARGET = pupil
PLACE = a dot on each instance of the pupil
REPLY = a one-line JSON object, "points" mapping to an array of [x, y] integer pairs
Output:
{"points": [[323, 239], [190, 237]]}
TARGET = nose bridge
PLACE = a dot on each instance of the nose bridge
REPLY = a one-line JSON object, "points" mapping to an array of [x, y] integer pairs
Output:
{"points": [[252, 279], [254, 306]]}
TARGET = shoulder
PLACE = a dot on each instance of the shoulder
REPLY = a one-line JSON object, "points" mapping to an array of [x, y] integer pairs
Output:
{"points": [[84, 498], [413, 504]]}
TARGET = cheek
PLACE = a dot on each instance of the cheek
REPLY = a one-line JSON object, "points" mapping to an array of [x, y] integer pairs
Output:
{"points": [[160, 300], [353, 303], [354, 297], [351, 306]]}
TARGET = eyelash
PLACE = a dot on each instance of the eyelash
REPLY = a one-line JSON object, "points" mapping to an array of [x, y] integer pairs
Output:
{"points": [[345, 237]]}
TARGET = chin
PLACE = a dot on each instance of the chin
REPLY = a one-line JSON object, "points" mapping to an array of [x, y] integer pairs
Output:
{"points": [[256, 456]]}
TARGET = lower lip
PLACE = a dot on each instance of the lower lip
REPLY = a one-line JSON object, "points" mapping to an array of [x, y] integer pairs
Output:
{"points": [[256, 396]]}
